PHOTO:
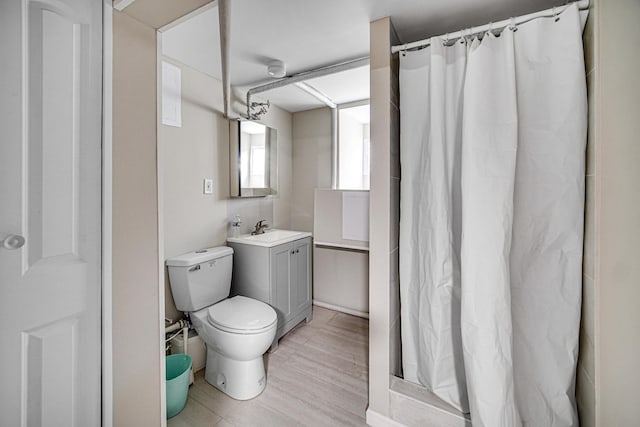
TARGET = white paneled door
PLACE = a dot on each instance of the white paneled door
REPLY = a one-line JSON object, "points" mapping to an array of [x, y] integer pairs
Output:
{"points": [[50, 212]]}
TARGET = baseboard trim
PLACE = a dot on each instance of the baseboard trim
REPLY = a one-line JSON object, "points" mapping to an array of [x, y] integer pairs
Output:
{"points": [[341, 309], [376, 419]]}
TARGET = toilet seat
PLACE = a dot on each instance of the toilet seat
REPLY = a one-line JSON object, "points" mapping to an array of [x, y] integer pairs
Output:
{"points": [[242, 315]]}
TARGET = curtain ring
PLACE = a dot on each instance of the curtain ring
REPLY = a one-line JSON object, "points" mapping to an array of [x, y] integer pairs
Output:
{"points": [[513, 26], [445, 42], [555, 15]]}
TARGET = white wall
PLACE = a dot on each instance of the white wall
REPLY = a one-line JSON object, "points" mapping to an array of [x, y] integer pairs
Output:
{"points": [[607, 375], [311, 163], [282, 120], [136, 317], [617, 212], [200, 149], [384, 313], [188, 154], [341, 279]]}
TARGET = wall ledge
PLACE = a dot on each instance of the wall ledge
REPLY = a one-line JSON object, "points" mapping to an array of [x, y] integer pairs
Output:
{"points": [[376, 419], [413, 404]]}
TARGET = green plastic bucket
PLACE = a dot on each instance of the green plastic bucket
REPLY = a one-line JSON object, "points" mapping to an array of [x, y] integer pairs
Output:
{"points": [[178, 368]]}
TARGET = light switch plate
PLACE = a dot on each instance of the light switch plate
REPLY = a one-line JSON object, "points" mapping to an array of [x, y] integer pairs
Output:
{"points": [[208, 186]]}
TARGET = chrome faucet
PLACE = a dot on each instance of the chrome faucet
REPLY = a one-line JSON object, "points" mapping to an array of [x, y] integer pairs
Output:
{"points": [[260, 226]]}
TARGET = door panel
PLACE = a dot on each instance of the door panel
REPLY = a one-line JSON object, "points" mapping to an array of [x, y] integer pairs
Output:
{"points": [[54, 72], [49, 354], [50, 193], [303, 273], [281, 282]]}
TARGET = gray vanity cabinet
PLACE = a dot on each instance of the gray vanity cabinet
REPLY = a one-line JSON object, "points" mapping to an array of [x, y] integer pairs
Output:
{"points": [[279, 275]]}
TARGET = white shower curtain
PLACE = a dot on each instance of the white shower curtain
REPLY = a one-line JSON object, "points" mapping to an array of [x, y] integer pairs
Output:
{"points": [[493, 134]]}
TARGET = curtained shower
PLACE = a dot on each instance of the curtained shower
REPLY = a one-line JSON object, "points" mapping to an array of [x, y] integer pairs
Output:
{"points": [[493, 135]]}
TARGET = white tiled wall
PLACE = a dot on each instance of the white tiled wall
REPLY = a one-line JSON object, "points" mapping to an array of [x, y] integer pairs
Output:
{"points": [[381, 245], [384, 315], [617, 212]]}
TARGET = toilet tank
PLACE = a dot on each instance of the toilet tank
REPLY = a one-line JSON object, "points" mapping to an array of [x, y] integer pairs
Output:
{"points": [[201, 278]]}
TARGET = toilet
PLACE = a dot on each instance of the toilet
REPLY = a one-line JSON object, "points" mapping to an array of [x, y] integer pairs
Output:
{"points": [[237, 331]]}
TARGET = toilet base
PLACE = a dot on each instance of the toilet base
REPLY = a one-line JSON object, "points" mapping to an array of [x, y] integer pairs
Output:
{"points": [[240, 379]]}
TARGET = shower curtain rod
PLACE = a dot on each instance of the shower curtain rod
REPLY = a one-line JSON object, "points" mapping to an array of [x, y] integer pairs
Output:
{"points": [[582, 5]]}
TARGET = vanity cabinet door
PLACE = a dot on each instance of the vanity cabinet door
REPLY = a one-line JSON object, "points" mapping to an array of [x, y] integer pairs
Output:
{"points": [[281, 282], [302, 273]]}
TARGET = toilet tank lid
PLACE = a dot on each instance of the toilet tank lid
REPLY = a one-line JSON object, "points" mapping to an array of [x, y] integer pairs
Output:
{"points": [[199, 256]]}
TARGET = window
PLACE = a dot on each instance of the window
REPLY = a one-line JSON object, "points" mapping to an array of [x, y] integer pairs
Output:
{"points": [[353, 147]]}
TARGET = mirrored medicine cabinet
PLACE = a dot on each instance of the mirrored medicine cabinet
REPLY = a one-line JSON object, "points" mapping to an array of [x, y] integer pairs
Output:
{"points": [[253, 169]]}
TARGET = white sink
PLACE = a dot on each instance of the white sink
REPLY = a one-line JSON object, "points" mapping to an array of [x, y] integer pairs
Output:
{"points": [[270, 238]]}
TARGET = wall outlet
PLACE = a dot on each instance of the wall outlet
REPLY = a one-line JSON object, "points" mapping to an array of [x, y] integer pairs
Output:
{"points": [[208, 186]]}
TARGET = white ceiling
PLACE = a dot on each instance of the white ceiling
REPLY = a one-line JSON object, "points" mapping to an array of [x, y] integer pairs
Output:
{"points": [[196, 42], [308, 34]]}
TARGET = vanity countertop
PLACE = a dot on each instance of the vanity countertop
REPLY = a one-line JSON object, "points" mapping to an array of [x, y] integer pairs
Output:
{"points": [[270, 238]]}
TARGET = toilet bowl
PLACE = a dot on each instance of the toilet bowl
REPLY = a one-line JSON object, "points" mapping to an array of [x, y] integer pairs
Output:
{"points": [[237, 331]]}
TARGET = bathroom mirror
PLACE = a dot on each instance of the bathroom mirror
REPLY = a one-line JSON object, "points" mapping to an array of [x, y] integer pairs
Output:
{"points": [[252, 159]]}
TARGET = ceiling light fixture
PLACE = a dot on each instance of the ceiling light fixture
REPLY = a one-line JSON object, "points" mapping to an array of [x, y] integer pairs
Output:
{"points": [[276, 69]]}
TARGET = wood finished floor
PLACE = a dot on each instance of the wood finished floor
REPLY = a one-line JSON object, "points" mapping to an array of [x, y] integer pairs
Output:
{"points": [[317, 377]]}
